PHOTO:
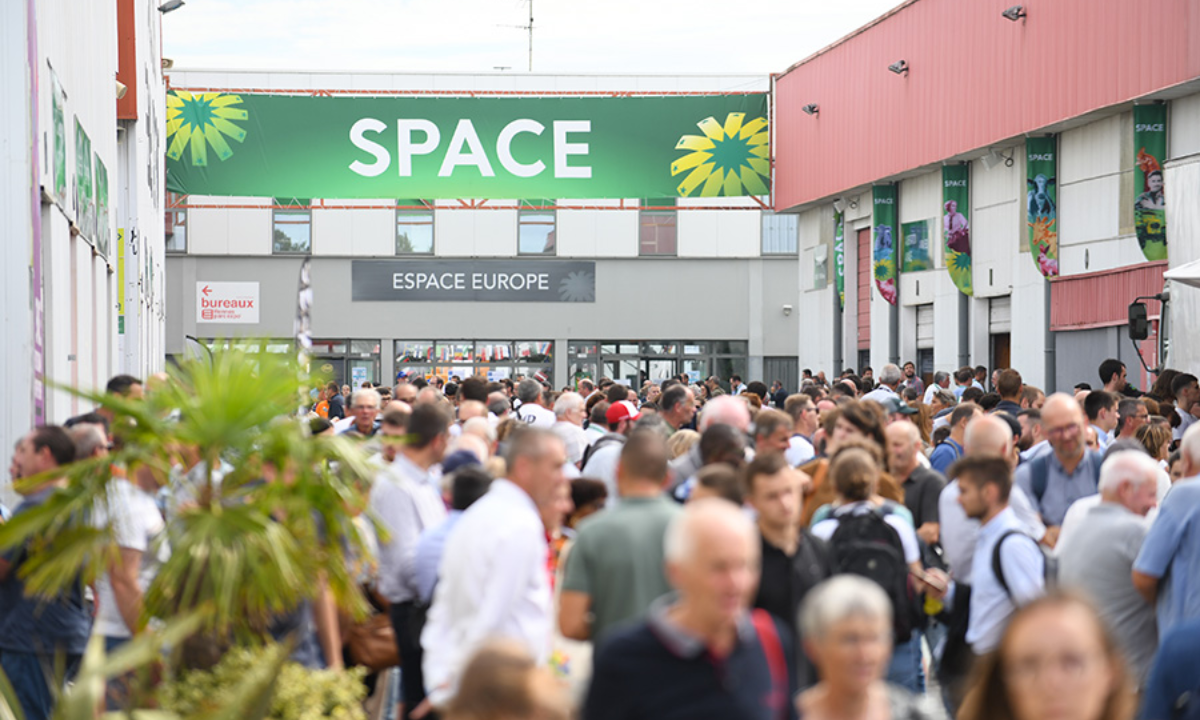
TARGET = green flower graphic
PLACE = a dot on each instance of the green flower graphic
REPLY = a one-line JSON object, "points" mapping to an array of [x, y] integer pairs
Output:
{"points": [[198, 121], [730, 159]]}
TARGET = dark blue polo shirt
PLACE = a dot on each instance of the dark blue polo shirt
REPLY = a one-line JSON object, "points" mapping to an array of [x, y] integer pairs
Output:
{"points": [[655, 671], [41, 626]]}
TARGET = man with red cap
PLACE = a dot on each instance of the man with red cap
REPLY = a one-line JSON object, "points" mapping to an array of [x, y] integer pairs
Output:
{"points": [[600, 461]]}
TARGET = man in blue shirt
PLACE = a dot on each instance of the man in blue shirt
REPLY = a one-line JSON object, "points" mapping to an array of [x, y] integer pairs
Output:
{"points": [[944, 455], [1171, 689], [34, 630], [1055, 480], [467, 484], [1171, 551]]}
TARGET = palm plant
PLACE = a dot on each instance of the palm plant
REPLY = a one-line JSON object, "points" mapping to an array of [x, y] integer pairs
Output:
{"points": [[262, 512]]}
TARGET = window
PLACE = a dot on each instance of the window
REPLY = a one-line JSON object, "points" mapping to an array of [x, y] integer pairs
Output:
{"points": [[779, 233], [492, 359], [414, 229], [657, 232], [536, 232], [292, 229], [176, 227]]}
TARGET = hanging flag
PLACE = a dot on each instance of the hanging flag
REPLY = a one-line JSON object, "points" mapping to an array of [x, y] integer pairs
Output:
{"points": [[1150, 210], [916, 254], [1041, 206], [839, 257], [956, 225], [884, 220], [303, 323]]}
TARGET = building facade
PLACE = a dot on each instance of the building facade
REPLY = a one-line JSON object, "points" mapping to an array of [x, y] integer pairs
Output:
{"points": [[939, 83], [680, 285], [81, 176]]}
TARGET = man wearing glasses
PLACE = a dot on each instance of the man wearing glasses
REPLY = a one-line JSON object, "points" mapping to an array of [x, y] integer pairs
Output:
{"points": [[1056, 479], [364, 411], [805, 422]]}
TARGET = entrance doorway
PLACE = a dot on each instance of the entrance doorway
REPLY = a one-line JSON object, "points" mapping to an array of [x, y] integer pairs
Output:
{"points": [[1001, 350]]}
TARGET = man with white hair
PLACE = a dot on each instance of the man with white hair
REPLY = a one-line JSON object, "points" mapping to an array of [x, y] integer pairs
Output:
{"points": [[733, 663], [1097, 557], [1167, 569], [890, 378], [721, 410], [569, 412], [364, 411]]}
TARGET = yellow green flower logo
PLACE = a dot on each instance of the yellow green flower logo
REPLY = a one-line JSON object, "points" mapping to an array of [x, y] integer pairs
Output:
{"points": [[730, 159], [202, 120]]}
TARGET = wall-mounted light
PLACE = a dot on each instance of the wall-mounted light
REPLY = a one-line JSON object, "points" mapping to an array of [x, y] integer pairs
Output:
{"points": [[787, 310], [839, 205], [167, 63], [811, 109], [170, 5], [1014, 13], [121, 89], [900, 67], [853, 203], [994, 158]]}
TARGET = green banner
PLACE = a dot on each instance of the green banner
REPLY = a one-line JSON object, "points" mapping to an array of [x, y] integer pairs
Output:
{"points": [[1150, 208], [58, 101], [467, 147], [1041, 206], [884, 221], [85, 197], [839, 257], [101, 207], [916, 246], [956, 225]]}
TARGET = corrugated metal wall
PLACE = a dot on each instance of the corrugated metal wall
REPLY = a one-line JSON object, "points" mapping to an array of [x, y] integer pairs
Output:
{"points": [[1094, 300], [975, 79]]}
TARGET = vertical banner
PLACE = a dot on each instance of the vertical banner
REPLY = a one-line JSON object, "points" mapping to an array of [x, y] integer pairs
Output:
{"points": [[39, 315], [1150, 209], [956, 225], [102, 238], [58, 101], [85, 198], [916, 246], [1041, 162], [884, 221], [839, 256]]}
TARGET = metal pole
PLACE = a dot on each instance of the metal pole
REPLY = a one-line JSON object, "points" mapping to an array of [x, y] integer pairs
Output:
{"points": [[894, 332], [1051, 349], [530, 35], [964, 330], [838, 334]]}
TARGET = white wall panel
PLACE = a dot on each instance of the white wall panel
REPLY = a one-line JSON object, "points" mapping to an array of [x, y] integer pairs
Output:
{"points": [[698, 233], [739, 233], [1092, 150], [1088, 210], [1028, 341], [1183, 126]]}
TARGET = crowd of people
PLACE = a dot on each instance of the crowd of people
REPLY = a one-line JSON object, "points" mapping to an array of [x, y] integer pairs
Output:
{"points": [[866, 547]]}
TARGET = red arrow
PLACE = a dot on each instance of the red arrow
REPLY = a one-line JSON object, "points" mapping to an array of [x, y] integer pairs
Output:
{"points": [[206, 290]]}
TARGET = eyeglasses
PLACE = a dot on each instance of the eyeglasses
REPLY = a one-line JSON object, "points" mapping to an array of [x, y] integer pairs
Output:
{"points": [[365, 407]]}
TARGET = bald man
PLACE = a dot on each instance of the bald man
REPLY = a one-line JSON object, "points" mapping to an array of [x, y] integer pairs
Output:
{"points": [[734, 663], [1071, 471], [922, 485]]}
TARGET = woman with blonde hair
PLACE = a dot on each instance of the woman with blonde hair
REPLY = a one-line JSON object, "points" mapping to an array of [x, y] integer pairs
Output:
{"points": [[1156, 438], [682, 441], [1057, 659]]}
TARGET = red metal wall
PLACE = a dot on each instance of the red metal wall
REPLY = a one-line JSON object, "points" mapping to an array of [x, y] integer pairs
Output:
{"points": [[975, 79], [1101, 299]]}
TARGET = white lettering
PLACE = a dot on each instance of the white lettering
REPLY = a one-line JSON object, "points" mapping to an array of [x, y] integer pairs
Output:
{"points": [[405, 148], [1144, 127], [543, 281], [358, 136], [465, 134], [504, 148], [1043, 157], [564, 149], [883, 201]]}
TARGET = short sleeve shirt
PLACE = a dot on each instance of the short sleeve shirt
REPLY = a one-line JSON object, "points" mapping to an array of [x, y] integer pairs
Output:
{"points": [[921, 491], [1172, 551]]}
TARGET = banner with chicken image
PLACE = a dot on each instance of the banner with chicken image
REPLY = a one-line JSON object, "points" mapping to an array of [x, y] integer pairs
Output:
{"points": [[883, 221], [1041, 162], [1150, 209]]}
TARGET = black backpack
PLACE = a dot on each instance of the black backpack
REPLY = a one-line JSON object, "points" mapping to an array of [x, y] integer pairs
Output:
{"points": [[1049, 563], [864, 544], [601, 441]]}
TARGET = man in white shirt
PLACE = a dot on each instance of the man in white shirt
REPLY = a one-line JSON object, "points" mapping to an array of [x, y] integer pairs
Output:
{"points": [[406, 499], [569, 410], [941, 379], [493, 577], [805, 421], [532, 411]]}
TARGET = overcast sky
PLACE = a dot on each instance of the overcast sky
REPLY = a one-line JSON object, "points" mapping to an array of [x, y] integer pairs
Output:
{"points": [[634, 36]]}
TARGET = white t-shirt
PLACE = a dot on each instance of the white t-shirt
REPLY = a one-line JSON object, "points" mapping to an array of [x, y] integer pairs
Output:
{"points": [[536, 416], [799, 451], [574, 438], [136, 525]]}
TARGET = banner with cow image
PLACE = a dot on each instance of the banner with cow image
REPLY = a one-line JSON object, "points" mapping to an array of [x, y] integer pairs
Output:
{"points": [[883, 221], [1041, 203], [1150, 209]]}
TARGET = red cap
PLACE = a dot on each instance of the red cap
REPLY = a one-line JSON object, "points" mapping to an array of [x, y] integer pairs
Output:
{"points": [[621, 410]]}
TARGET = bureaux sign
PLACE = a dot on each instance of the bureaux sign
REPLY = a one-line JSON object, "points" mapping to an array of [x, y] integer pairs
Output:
{"points": [[473, 280]]}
